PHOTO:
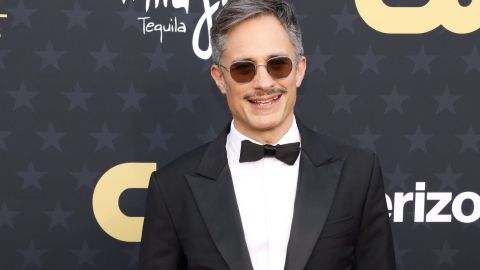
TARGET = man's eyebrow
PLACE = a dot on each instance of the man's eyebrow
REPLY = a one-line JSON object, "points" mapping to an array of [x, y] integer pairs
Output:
{"points": [[240, 59], [276, 55]]}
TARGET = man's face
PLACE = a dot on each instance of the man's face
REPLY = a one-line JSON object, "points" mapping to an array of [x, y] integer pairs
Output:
{"points": [[264, 103]]}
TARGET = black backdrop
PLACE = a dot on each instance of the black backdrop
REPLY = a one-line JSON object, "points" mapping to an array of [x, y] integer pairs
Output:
{"points": [[84, 86]]}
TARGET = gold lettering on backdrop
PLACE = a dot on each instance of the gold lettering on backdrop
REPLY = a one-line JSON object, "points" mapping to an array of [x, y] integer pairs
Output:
{"points": [[3, 16], [417, 20], [107, 193]]}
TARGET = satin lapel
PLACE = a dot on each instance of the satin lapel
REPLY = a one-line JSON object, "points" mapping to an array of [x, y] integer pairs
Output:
{"points": [[319, 173], [315, 192], [214, 194]]}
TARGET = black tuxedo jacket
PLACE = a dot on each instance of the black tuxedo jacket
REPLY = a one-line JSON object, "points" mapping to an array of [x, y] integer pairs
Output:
{"points": [[340, 219]]}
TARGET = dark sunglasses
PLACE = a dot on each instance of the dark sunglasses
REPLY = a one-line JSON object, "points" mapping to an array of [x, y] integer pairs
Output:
{"points": [[244, 71]]}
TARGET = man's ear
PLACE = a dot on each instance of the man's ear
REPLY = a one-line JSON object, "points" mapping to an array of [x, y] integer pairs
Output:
{"points": [[217, 76], [301, 68]]}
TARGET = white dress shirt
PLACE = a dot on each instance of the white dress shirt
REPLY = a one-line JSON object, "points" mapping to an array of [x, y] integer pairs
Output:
{"points": [[265, 192]]}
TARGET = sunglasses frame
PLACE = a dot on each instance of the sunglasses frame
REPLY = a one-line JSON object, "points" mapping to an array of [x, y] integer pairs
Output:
{"points": [[293, 63]]}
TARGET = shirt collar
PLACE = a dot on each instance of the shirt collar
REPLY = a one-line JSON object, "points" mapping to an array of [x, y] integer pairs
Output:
{"points": [[235, 138]]}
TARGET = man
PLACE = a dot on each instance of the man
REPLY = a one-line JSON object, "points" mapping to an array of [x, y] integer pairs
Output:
{"points": [[268, 193]]}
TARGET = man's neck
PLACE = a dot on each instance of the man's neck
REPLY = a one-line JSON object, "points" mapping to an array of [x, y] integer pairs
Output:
{"points": [[269, 136]]}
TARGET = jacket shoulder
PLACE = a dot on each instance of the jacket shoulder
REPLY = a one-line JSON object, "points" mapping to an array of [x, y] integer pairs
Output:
{"points": [[347, 151], [186, 163]]}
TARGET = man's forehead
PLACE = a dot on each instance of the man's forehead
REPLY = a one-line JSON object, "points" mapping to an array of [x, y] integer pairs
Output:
{"points": [[257, 39]]}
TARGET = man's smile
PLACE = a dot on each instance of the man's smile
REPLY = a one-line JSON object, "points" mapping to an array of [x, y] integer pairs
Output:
{"points": [[264, 100], [267, 102]]}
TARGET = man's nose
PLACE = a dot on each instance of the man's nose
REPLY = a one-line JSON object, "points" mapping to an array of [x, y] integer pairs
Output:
{"points": [[262, 79]]}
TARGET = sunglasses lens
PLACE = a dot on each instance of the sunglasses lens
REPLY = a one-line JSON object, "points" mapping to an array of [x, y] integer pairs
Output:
{"points": [[279, 67], [242, 72]]}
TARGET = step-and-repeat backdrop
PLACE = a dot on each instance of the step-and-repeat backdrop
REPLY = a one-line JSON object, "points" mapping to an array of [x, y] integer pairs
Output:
{"points": [[95, 95]]}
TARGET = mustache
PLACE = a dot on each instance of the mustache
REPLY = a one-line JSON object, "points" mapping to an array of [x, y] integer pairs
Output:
{"points": [[259, 93]]}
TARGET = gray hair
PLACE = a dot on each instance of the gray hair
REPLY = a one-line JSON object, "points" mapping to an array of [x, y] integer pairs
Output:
{"points": [[236, 11]]}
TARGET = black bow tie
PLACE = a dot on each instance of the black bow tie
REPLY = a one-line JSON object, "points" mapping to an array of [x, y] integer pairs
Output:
{"points": [[287, 153]]}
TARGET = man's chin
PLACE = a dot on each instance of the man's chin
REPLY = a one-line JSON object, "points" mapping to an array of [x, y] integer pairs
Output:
{"points": [[265, 123]]}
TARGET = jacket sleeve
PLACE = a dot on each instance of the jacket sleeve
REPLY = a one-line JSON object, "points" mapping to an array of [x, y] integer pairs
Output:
{"points": [[374, 249], [159, 247]]}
